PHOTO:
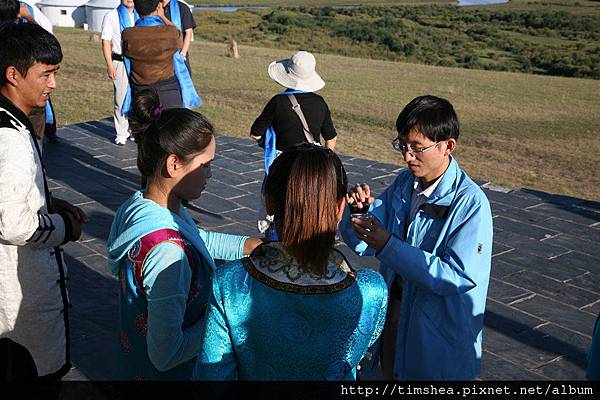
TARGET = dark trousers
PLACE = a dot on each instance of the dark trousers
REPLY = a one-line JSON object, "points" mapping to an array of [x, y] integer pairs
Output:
{"points": [[168, 92], [390, 330], [17, 367]]}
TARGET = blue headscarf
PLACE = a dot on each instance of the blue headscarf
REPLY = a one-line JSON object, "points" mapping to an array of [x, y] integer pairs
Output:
{"points": [[189, 96]]}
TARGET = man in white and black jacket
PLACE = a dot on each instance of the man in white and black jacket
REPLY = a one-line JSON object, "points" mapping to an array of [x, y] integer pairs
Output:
{"points": [[33, 296]]}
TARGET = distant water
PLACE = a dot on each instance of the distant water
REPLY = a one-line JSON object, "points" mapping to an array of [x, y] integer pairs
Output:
{"points": [[479, 2], [224, 8]]}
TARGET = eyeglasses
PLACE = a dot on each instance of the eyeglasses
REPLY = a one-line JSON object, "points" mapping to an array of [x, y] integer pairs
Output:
{"points": [[407, 148]]}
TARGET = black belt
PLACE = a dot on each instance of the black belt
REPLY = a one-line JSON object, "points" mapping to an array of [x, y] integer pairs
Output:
{"points": [[117, 57]]}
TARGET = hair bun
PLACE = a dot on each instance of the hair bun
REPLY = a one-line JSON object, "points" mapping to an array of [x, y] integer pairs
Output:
{"points": [[145, 109], [157, 111], [146, 105]]}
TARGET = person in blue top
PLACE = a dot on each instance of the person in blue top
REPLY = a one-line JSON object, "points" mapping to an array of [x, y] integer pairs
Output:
{"points": [[593, 366], [153, 59], [432, 231], [294, 310], [163, 260]]}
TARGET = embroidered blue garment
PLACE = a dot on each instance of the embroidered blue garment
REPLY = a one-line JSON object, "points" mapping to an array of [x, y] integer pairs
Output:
{"points": [[160, 328], [269, 320], [189, 96]]}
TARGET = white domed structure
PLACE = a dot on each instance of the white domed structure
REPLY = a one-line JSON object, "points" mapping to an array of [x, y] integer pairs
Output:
{"points": [[95, 10], [68, 13]]}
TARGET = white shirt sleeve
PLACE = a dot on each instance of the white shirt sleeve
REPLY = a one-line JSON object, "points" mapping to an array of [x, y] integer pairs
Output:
{"points": [[107, 28]]}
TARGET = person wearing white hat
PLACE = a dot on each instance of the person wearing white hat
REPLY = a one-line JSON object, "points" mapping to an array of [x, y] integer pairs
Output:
{"points": [[292, 117], [297, 74]]}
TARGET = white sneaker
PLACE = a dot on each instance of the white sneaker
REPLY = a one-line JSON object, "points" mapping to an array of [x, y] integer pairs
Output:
{"points": [[120, 141]]}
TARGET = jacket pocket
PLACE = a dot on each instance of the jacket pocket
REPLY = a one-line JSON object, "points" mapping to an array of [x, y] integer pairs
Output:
{"points": [[449, 318]]}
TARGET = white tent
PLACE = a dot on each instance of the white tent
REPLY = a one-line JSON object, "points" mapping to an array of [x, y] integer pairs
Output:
{"points": [[64, 12], [95, 10]]}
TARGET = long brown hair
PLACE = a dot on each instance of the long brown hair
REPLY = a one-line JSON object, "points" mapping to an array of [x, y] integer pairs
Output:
{"points": [[303, 187]]}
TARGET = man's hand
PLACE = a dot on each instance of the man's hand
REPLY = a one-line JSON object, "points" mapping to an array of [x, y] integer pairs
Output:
{"points": [[371, 232], [62, 205], [112, 72], [360, 196], [75, 226], [75, 215]]}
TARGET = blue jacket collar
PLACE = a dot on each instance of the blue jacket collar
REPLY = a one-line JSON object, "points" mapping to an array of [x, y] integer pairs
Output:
{"points": [[444, 193]]}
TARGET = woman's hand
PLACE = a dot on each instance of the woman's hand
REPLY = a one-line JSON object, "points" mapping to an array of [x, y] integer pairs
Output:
{"points": [[61, 205]]}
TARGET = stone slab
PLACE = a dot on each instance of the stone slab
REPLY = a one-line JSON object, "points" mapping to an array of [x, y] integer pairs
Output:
{"points": [[557, 290], [558, 313], [544, 266], [544, 270]]}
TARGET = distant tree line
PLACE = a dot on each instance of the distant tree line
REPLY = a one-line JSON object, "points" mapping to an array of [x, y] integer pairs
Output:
{"points": [[546, 42]]}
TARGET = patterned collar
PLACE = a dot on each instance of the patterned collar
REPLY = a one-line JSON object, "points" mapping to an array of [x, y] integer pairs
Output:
{"points": [[273, 266]]}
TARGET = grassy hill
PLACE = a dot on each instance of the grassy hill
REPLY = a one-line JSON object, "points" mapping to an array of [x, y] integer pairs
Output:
{"points": [[550, 39], [518, 130]]}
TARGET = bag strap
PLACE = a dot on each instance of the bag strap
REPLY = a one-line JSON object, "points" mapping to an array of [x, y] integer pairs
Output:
{"points": [[296, 107], [138, 254]]}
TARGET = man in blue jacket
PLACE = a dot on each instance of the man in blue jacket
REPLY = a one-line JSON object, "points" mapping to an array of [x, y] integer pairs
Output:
{"points": [[432, 231]]}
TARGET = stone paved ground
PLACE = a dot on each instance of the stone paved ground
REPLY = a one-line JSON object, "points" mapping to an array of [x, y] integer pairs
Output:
{"points": [[545, 287]]}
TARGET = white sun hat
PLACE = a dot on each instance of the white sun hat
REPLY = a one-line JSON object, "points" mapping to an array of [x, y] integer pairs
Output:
{"points": [[297, 72]]}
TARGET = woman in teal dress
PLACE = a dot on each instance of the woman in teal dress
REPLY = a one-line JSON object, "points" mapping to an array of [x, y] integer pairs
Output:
{"points": [[294, 310], [163, 260]]}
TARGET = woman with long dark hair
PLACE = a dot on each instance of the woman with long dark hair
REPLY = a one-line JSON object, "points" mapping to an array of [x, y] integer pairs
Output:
{"points": [[294, 310]]}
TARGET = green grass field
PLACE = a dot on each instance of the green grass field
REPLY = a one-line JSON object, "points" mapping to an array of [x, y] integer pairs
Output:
{"points": [[517, 38]]}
